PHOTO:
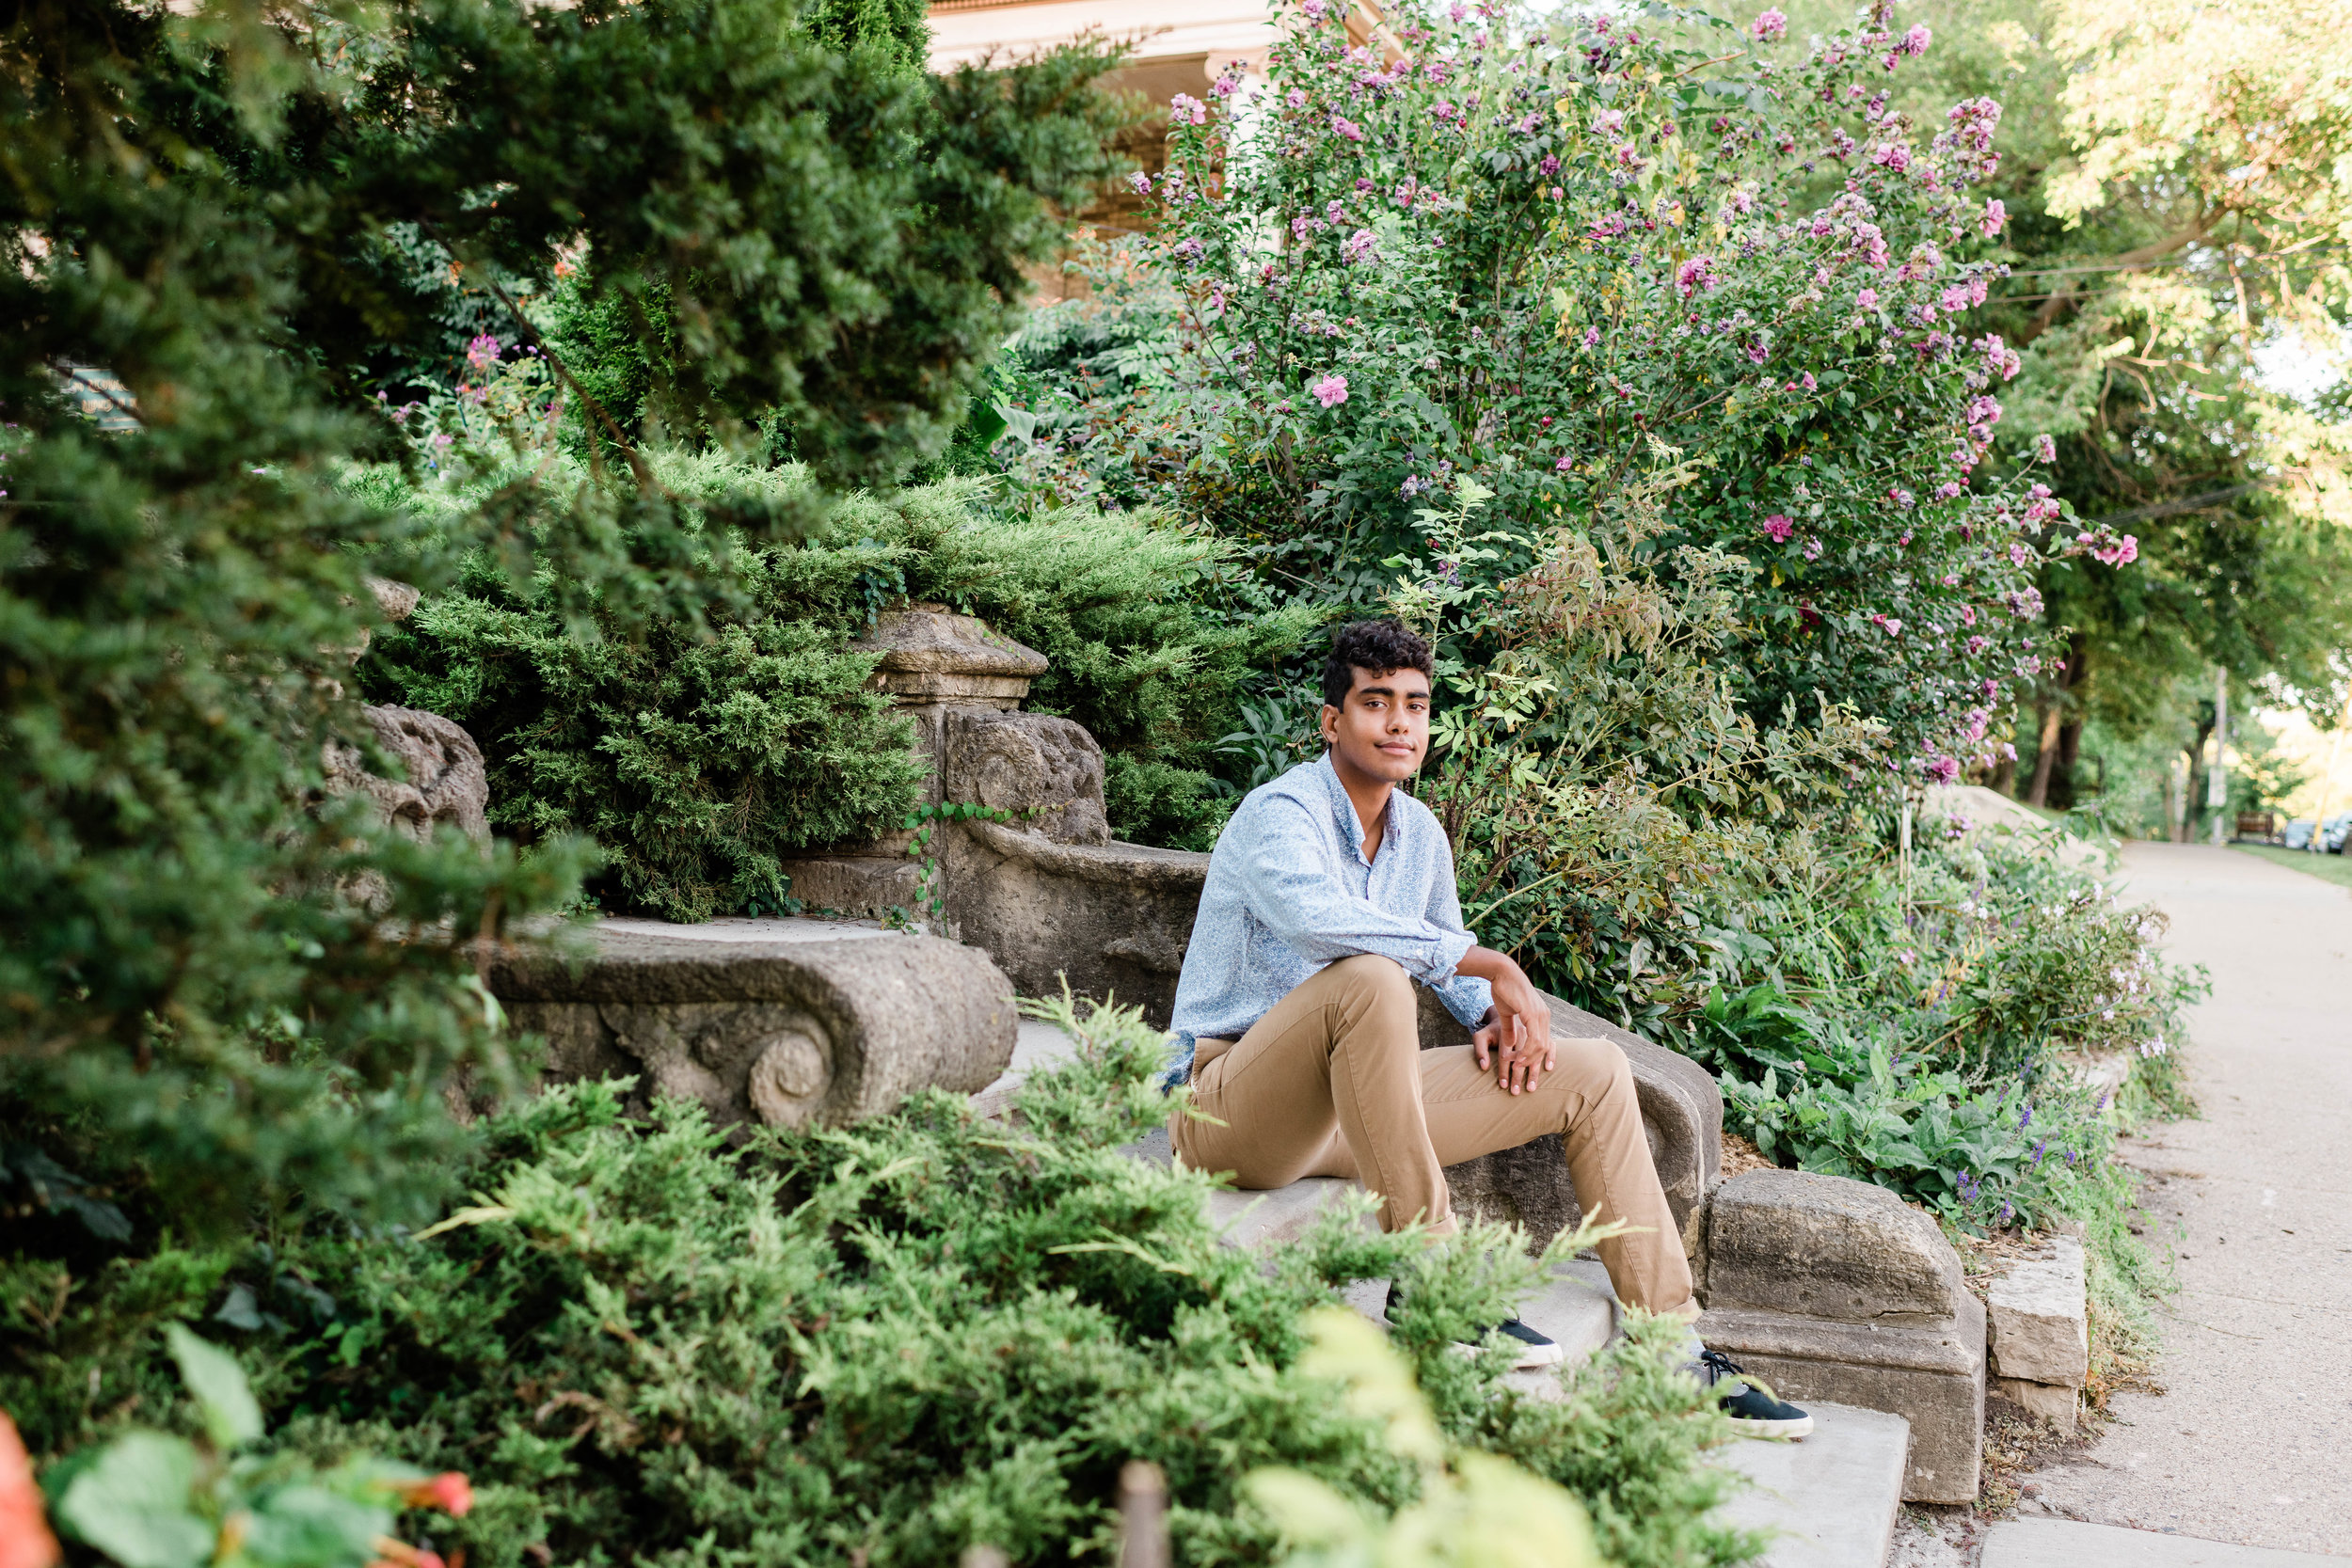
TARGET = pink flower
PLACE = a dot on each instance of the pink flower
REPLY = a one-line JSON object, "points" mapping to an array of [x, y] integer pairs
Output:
{"points": [[1185, 109], [2045, 449], [1779, 527], [1140, 183], [482, 352], [1810, 385], [1995, 217], [1867, 300], [1362, 245], [1696, 274], [1330, 391], [447, 1492], [1812, 548], [1769, 25], [1940, 770], [1916, 41], [1347, 127], [1967, 615]]}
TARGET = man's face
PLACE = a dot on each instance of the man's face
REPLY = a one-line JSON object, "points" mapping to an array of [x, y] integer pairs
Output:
{"points": [[1383, 727]]}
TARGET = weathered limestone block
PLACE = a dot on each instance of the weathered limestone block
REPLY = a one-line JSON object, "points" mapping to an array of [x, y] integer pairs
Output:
{"points": [[1833, 1291], [446, 780], [827, 1032], [930, 654], [2039, 1325], [1114, 918], [2059, 1404], [1682, 1113], [1822, 1247], [1047, 772], [947, 672]]}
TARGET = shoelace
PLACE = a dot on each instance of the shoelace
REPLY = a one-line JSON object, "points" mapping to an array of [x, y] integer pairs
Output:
{"points": [[1720, 1367]]}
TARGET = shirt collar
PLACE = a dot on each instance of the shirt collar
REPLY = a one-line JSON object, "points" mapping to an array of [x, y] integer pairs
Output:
{"points": [[1351, 828]]}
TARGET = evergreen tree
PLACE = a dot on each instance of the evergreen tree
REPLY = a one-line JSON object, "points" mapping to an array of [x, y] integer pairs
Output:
{"points": [[227, 210]]}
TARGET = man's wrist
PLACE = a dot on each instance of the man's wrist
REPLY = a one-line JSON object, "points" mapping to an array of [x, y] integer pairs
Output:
{"points": [[1485, 963]]}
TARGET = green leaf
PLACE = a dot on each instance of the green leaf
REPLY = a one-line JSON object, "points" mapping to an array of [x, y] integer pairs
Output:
{"points": [[217, 1383], [132, 1503], [310, 1527]]}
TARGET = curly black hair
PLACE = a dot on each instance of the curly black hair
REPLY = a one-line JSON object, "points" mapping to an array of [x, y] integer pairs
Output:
{"points": [[1374, 645]]}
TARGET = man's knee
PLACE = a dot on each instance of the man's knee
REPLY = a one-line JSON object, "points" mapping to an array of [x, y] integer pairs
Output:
{"points": [[1383, 981], [1594, 1067]]}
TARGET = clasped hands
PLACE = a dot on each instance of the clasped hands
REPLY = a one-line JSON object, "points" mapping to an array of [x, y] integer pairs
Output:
{"points": [[1514, 1039]]}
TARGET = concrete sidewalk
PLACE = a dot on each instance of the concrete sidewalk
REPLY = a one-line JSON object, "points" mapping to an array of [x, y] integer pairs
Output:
{"points": [[2252, 1441], [2063, 1543]]}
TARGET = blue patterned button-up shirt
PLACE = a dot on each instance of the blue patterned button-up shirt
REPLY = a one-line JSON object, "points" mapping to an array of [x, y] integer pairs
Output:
{"points": [[1289, 890]]}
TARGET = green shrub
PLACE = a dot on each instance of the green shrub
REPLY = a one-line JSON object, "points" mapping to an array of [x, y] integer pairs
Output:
{"points": [[697, 749], [879, 1344], [238, 217]]}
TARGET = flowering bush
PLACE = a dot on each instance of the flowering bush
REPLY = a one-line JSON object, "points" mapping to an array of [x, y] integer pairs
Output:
{"points": [[1570, 263]]}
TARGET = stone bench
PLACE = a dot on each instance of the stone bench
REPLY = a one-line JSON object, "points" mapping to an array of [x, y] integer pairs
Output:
{"points": [[821, 1025]]}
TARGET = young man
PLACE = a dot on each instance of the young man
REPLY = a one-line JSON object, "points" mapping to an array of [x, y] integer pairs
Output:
{"points": [[1329, 896]]}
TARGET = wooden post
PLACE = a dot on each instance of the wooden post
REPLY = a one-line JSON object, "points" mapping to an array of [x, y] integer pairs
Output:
{"points": [[1143, 1515]]}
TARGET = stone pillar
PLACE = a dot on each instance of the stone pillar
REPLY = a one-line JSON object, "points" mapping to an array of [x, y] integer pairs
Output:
{"points": [[943, 671]]}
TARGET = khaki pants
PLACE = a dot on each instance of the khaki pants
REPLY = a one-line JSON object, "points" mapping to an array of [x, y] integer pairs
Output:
{"points": [[1333, 1082]]}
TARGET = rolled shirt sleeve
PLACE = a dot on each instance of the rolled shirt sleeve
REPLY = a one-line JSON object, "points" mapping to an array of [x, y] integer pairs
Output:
{"points": [[1466, 996]]}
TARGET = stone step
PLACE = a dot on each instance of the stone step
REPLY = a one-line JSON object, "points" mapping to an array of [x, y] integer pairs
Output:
{"points": [[1830, 1499], [2065, 1544]]}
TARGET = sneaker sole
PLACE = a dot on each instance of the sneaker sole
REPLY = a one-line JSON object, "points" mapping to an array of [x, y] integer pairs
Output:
{"points": [[1747, 1426]]}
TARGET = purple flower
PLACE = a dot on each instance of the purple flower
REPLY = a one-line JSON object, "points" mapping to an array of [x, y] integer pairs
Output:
{"points": [[1769, 25], [1362, 245], [482, 352], [1347, 127], [1189, 251], [1140, 182], [1695, 275], [1331, 390]]}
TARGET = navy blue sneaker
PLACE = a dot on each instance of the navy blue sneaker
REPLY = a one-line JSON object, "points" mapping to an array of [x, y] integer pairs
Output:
{"points": [[1533, 1347], [1754, 1410]]}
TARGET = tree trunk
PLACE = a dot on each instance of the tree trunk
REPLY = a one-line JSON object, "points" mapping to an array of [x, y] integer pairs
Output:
{"points": [[2045, 753], [2070, 736]]}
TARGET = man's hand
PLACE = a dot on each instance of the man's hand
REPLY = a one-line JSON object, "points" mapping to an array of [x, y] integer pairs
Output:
{"points": [[1514, 1037]]}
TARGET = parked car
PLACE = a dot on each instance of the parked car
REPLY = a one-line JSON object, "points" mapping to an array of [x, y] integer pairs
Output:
{"points": [[2333, 834]]}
